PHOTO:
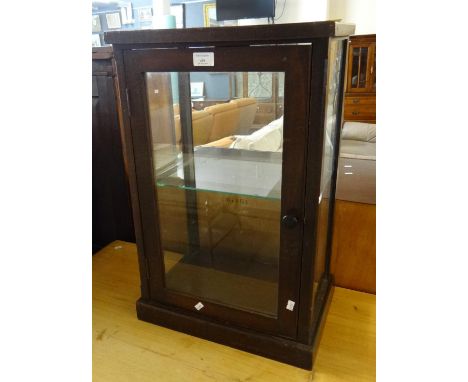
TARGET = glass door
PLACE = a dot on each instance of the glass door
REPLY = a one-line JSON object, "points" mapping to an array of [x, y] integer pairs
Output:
{"points": [[221, 183], [361, 69]]}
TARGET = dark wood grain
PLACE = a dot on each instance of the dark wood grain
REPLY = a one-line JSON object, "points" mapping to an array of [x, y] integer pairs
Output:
{"points": [[130, 166], [112, 219], [103, 53], [294, 32], [312, 190], [280, 349]]}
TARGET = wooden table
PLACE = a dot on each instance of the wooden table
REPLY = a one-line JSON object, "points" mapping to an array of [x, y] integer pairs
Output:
{"points": [[353, 260], [125, 349]]}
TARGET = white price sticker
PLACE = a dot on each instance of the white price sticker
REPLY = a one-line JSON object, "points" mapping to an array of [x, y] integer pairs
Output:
{"points": [[199, 306], [203, 59], [290, 305]]}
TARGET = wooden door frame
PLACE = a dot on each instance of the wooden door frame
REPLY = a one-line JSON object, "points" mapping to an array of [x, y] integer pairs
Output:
{"points": [[295, 62]]}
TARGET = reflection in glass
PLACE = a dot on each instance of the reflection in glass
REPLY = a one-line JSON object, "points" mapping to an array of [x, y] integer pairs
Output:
{"points": [[331, 126], [218, 174], [260, 84], [355, 68], [363, 68], [359, 67]]}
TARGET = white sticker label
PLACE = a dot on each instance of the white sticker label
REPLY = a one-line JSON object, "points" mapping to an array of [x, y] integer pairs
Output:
{"points": [[118, 247], [203, 59], [290, 305], [199, 306]]}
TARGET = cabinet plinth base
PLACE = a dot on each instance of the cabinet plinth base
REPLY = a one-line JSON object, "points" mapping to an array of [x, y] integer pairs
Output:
{"points": [[266, 345]]}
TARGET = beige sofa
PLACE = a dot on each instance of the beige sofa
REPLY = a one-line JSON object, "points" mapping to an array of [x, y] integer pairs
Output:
{"points": [[218, 121], [247, 110], [358, 140], [225, 120], [202, 124]]}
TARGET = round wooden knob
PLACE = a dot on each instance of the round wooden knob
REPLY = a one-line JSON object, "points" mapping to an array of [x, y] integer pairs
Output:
{"points": [[289, 221]]}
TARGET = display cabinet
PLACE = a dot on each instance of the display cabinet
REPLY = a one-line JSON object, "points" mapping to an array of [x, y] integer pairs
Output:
{"points": [[233, 211], [360, 93]]}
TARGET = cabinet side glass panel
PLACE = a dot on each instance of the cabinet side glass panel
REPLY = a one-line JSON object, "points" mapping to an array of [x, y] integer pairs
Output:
{"points": [[217, 141], [332, 121]]}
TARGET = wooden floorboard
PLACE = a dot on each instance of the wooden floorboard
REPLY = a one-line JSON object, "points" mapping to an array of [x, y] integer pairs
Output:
{"points": [[125, 349]]}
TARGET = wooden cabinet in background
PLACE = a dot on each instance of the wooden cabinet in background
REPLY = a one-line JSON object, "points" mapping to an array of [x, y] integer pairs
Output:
{"points": [[112, 214], [361, 79], [354, 244]]}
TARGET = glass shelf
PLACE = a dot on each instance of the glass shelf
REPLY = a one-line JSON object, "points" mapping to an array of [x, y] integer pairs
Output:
{"points": [[227, 171]]}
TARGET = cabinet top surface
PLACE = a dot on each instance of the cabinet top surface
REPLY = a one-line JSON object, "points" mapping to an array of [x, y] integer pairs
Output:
{"points": [[102, 53], [294, 32], [362, 37]]}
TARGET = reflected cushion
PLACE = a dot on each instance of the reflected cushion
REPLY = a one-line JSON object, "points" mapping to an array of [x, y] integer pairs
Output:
{"points": [[359, 131], [268, 138]]}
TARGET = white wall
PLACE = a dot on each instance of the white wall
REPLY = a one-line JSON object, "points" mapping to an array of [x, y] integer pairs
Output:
{"points": [[360, 12], [295, 11]]}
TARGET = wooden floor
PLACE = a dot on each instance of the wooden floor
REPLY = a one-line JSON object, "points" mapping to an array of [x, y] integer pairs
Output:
{"points": [[125, 349]]}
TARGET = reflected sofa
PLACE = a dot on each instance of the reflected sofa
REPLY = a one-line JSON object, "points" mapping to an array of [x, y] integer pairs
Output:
{"points": [[247, 110], [202, 125], [218, 121], [358, 140], [225, 120]]}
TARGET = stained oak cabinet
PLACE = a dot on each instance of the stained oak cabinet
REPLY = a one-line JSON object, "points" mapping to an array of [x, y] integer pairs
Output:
{"points": [[233, 213], [360, 95]]}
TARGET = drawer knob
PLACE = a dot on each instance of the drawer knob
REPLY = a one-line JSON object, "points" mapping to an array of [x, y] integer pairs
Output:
{"points": [[355, 113], [289, 221], [355, 100]]}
